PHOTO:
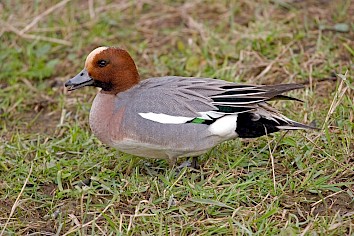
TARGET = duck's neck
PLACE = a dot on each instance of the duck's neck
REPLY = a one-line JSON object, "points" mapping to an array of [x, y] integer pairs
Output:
{"points": [[104, 117], [124, 79]]}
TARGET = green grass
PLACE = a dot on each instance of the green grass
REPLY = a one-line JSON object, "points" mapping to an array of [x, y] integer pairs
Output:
{"points": [[56, 178]]}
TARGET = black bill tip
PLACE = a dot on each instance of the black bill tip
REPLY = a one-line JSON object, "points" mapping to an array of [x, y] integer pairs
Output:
{"points": [[80, 80]]}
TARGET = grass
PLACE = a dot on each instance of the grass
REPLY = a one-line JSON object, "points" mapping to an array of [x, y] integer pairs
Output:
{"points": [[56, 178]]}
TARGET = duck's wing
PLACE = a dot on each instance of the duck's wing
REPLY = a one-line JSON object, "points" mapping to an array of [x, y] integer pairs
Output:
{"points": [[178, 100], [242, 98]]}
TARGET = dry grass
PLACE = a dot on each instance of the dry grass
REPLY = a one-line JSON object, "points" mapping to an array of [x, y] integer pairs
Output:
{"points": [[57, 179]]}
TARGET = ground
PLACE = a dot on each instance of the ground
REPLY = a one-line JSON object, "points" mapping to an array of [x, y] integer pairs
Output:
{"points": [[56, 178]]}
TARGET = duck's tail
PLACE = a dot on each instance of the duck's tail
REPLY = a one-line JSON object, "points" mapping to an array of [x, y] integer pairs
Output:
{"points": [[265, 120]]}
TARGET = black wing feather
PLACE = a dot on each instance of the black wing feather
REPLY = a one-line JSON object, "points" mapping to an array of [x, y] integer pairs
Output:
{"points": [[243, 98]]}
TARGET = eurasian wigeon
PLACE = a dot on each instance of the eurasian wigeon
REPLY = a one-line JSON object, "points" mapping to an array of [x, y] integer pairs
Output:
{"points": [[170, 117]]}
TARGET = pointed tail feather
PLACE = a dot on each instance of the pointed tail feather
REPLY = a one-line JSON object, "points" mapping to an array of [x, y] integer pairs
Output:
{"points": [[283, 97], [293, 125]]}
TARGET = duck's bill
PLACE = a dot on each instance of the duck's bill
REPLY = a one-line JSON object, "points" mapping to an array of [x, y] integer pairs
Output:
{"points": [[80, 80]]}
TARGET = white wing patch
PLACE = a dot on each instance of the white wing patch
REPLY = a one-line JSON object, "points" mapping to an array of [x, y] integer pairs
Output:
{"points": [[168, 119], [224, 126], [165, 119]]}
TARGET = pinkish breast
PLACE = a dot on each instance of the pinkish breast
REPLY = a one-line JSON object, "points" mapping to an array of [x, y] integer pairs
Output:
{"points": [[105, 119]]}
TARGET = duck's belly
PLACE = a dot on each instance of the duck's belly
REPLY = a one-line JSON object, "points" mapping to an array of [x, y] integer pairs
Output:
{"points": [[152, 151]]}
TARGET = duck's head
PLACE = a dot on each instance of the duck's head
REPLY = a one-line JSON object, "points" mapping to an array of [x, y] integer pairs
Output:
{"points": [[109, 68]]}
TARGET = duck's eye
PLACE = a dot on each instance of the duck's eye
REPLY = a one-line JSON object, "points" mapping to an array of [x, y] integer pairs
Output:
{"points": [[102, 63]]}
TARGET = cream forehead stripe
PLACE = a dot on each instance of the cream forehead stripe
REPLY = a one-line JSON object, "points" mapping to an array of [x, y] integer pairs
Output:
{"points": [[93, 54]]}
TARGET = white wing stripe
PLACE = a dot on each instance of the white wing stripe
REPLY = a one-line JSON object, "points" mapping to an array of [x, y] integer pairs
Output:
{"points": [[165, 119], [168, 119]]}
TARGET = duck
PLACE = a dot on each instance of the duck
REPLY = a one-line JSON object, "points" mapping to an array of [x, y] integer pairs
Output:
{"points": [[171, 117]]}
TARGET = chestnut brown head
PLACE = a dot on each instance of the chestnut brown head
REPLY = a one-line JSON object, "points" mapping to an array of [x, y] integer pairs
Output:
{"points": [[109, 68]]}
